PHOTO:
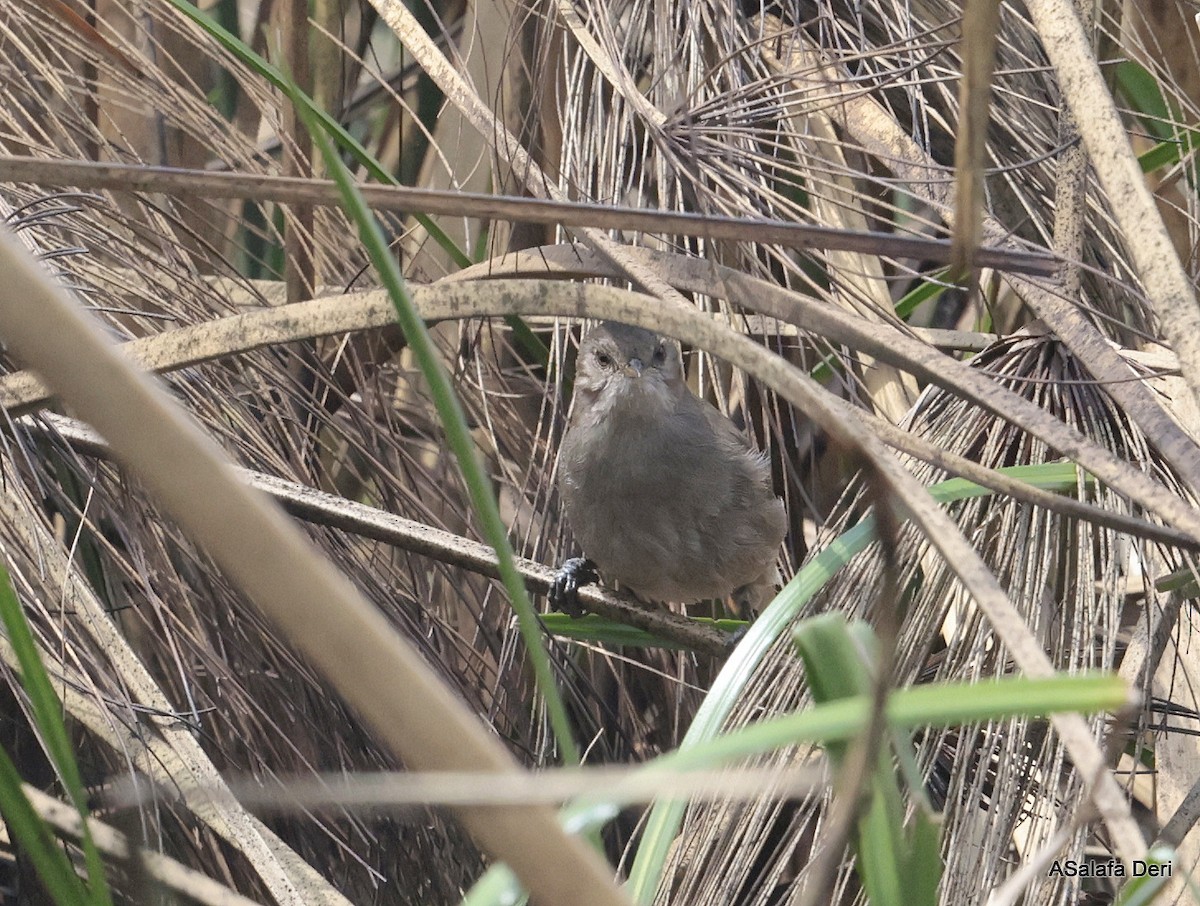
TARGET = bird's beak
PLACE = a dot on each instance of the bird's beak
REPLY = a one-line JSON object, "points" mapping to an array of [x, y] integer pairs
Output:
{"points": [[634, 368]]}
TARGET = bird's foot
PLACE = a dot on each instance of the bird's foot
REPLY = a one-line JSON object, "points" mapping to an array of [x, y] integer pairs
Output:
{"points": [[732, 638], [573, 575]]}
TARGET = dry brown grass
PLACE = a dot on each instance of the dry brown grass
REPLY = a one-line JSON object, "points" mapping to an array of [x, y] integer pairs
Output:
{"points": [[800, 114]]}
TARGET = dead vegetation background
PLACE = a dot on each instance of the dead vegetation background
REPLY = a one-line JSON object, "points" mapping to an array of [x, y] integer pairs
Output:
{"points": [[837, 115]]}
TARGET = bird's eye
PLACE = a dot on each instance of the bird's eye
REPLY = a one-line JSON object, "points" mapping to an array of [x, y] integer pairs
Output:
{"points": [[604, 359], [660, 354]]}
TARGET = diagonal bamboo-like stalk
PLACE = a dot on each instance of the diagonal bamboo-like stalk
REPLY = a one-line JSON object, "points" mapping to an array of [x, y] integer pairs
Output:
{"points": [[378, 672]]}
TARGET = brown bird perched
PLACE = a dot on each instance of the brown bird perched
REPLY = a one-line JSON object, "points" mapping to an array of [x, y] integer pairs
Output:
{"points": [[660, 488]]}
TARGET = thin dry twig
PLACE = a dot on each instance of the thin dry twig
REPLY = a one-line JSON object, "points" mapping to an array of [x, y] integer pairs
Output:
{"points": [[329, 510], [406, 199]]}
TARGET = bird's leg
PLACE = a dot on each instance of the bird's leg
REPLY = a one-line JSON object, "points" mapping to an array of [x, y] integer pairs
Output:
{"points": [[745, 603], [749, 599], [573, 575]]}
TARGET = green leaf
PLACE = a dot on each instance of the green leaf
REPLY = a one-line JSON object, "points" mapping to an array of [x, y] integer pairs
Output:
{"points": [[454, 423], [47, 716], [833, 660], [36, 841], [1146, 889], [924, 870], [593, 628], [1140, 91], [306, 107], [838, 661], [922, 292]]}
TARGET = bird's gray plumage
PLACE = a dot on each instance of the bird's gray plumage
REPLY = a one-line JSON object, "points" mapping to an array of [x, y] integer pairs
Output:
{"points": [[661, 489]]}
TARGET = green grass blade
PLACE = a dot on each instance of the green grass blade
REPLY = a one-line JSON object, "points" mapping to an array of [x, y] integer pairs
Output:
{"points": [[1140, 90], [663, 822], [835, 655], [47, 715], [1147, 888], [593, 628], [327, 123], [33, 835], [924, 291], [458, 436]]}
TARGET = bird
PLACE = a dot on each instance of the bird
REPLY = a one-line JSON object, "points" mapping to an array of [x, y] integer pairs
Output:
{"points": [[662, 491]]}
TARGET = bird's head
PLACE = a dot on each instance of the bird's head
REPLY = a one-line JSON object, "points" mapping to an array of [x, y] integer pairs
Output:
{"points": [[620, 365]]}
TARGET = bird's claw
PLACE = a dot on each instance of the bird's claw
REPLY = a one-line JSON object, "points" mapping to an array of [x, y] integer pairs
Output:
{"points": [[732, 638], [573, 575]]}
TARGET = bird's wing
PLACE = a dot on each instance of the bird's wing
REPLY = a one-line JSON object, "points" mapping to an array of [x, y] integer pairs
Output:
{"points": [[722, 426], [729, 436]]}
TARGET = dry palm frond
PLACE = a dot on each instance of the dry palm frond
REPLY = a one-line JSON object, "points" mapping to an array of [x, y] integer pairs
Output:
{"points": [[145, 265], [224, 673], [1005, 788], [230, 681], [733, 101]]}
